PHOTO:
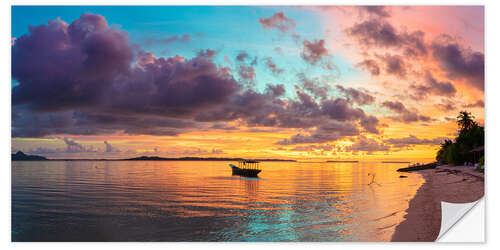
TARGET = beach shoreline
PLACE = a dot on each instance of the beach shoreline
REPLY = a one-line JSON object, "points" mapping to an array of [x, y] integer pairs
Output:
{"points": [[456, 184]]}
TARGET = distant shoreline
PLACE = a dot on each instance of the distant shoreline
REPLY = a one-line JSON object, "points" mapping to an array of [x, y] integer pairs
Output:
{"points": [[343, 161]]}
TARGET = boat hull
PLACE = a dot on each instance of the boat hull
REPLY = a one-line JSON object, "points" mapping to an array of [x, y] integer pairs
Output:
{"points": [[245, 172]]}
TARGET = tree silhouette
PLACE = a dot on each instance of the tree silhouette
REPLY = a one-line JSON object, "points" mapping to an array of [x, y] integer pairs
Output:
{"points": [[465, 121]]}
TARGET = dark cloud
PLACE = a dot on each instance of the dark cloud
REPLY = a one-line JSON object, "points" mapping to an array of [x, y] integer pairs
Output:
{"points": [[459, 63], [395, 106], [242, 56], [74, 147], [364, 144], [394, 65], [331, 131], [380, 11], [223, 126], [308, 148], [370, 124], [246, 73], [370, 66], [405, 115], [316, 87], [86, 78], [375, 32], [478, 104], [340, 109], [313, 52], [447, 105], [278, 21], [275, 90], [206, 53], [412, 140], [379, 33], [357, 96], [86, 66], [55, 62], [434, 87], [272, 66], [245, 70]]}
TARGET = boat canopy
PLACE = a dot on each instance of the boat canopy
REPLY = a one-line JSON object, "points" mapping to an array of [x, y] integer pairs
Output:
{"points": [[248, 164]]}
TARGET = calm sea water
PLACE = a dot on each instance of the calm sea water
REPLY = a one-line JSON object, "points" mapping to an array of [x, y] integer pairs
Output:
{"points": [[201, 201]]}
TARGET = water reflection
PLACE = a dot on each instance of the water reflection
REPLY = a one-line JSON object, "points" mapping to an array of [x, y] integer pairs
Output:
{"points": [[202, 201]]}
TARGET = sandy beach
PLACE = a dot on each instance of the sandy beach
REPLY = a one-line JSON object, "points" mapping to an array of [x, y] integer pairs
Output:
{"points": [[456, 184]]}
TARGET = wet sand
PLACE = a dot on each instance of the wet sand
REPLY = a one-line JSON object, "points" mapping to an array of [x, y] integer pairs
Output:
{"points": [[445, 183]]}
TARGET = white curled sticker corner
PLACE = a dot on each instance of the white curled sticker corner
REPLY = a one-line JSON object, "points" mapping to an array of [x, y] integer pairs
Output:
{"points": [[451, 213]]}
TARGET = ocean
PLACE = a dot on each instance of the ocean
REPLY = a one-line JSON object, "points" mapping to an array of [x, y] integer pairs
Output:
{"points": [[202, 201]]}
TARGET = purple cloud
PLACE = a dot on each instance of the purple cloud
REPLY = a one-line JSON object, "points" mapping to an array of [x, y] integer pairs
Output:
{"points": [[459, 63], [313, 52], [278, 21], [357, 96]]}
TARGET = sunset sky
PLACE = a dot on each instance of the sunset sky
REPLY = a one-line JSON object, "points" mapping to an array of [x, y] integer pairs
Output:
{"points": [[365, 83]]}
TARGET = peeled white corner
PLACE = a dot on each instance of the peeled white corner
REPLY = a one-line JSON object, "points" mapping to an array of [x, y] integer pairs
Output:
{"points": [[462, 222]]}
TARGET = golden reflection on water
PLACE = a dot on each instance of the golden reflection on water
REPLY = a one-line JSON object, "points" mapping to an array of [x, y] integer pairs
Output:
{"points": [[202, 201]]}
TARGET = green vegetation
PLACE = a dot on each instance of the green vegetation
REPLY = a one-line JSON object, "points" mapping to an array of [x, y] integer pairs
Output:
{"points": [[470, 136]]}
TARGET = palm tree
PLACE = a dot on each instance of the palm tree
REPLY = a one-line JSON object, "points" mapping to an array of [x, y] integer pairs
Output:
{"points": [[464, 120], [441, 154]]}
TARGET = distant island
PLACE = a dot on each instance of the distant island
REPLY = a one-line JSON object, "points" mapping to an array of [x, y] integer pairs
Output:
{"points": [[20, 156], [344, 161]]}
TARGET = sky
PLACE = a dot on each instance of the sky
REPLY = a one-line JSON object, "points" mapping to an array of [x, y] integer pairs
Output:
{"points": [[302, 82]]}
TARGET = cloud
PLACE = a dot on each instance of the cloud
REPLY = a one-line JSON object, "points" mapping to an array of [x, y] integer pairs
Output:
{"points": [[276, 90], [80, 79], [376, 32], [371, 66], [313, 52], [309, 148], [317, 88], [246, 73], [357, 96], [226, 59], [434, 87], [278, 21], [272, 66], [394, 65], [87, 78], [412, 140], [242, 56], [184, 38], [329, 132], [459, 63], [379, 11], [43, 151], [478, 104], [222, 126], [340, 109], [370, 124], [245, 70], [405, 115], [206, 53], [74, 147], [109, 148], [364, 144], [447, 105]]}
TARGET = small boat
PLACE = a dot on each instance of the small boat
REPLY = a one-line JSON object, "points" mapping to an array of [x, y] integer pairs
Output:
{"points": [[246, 168]]}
